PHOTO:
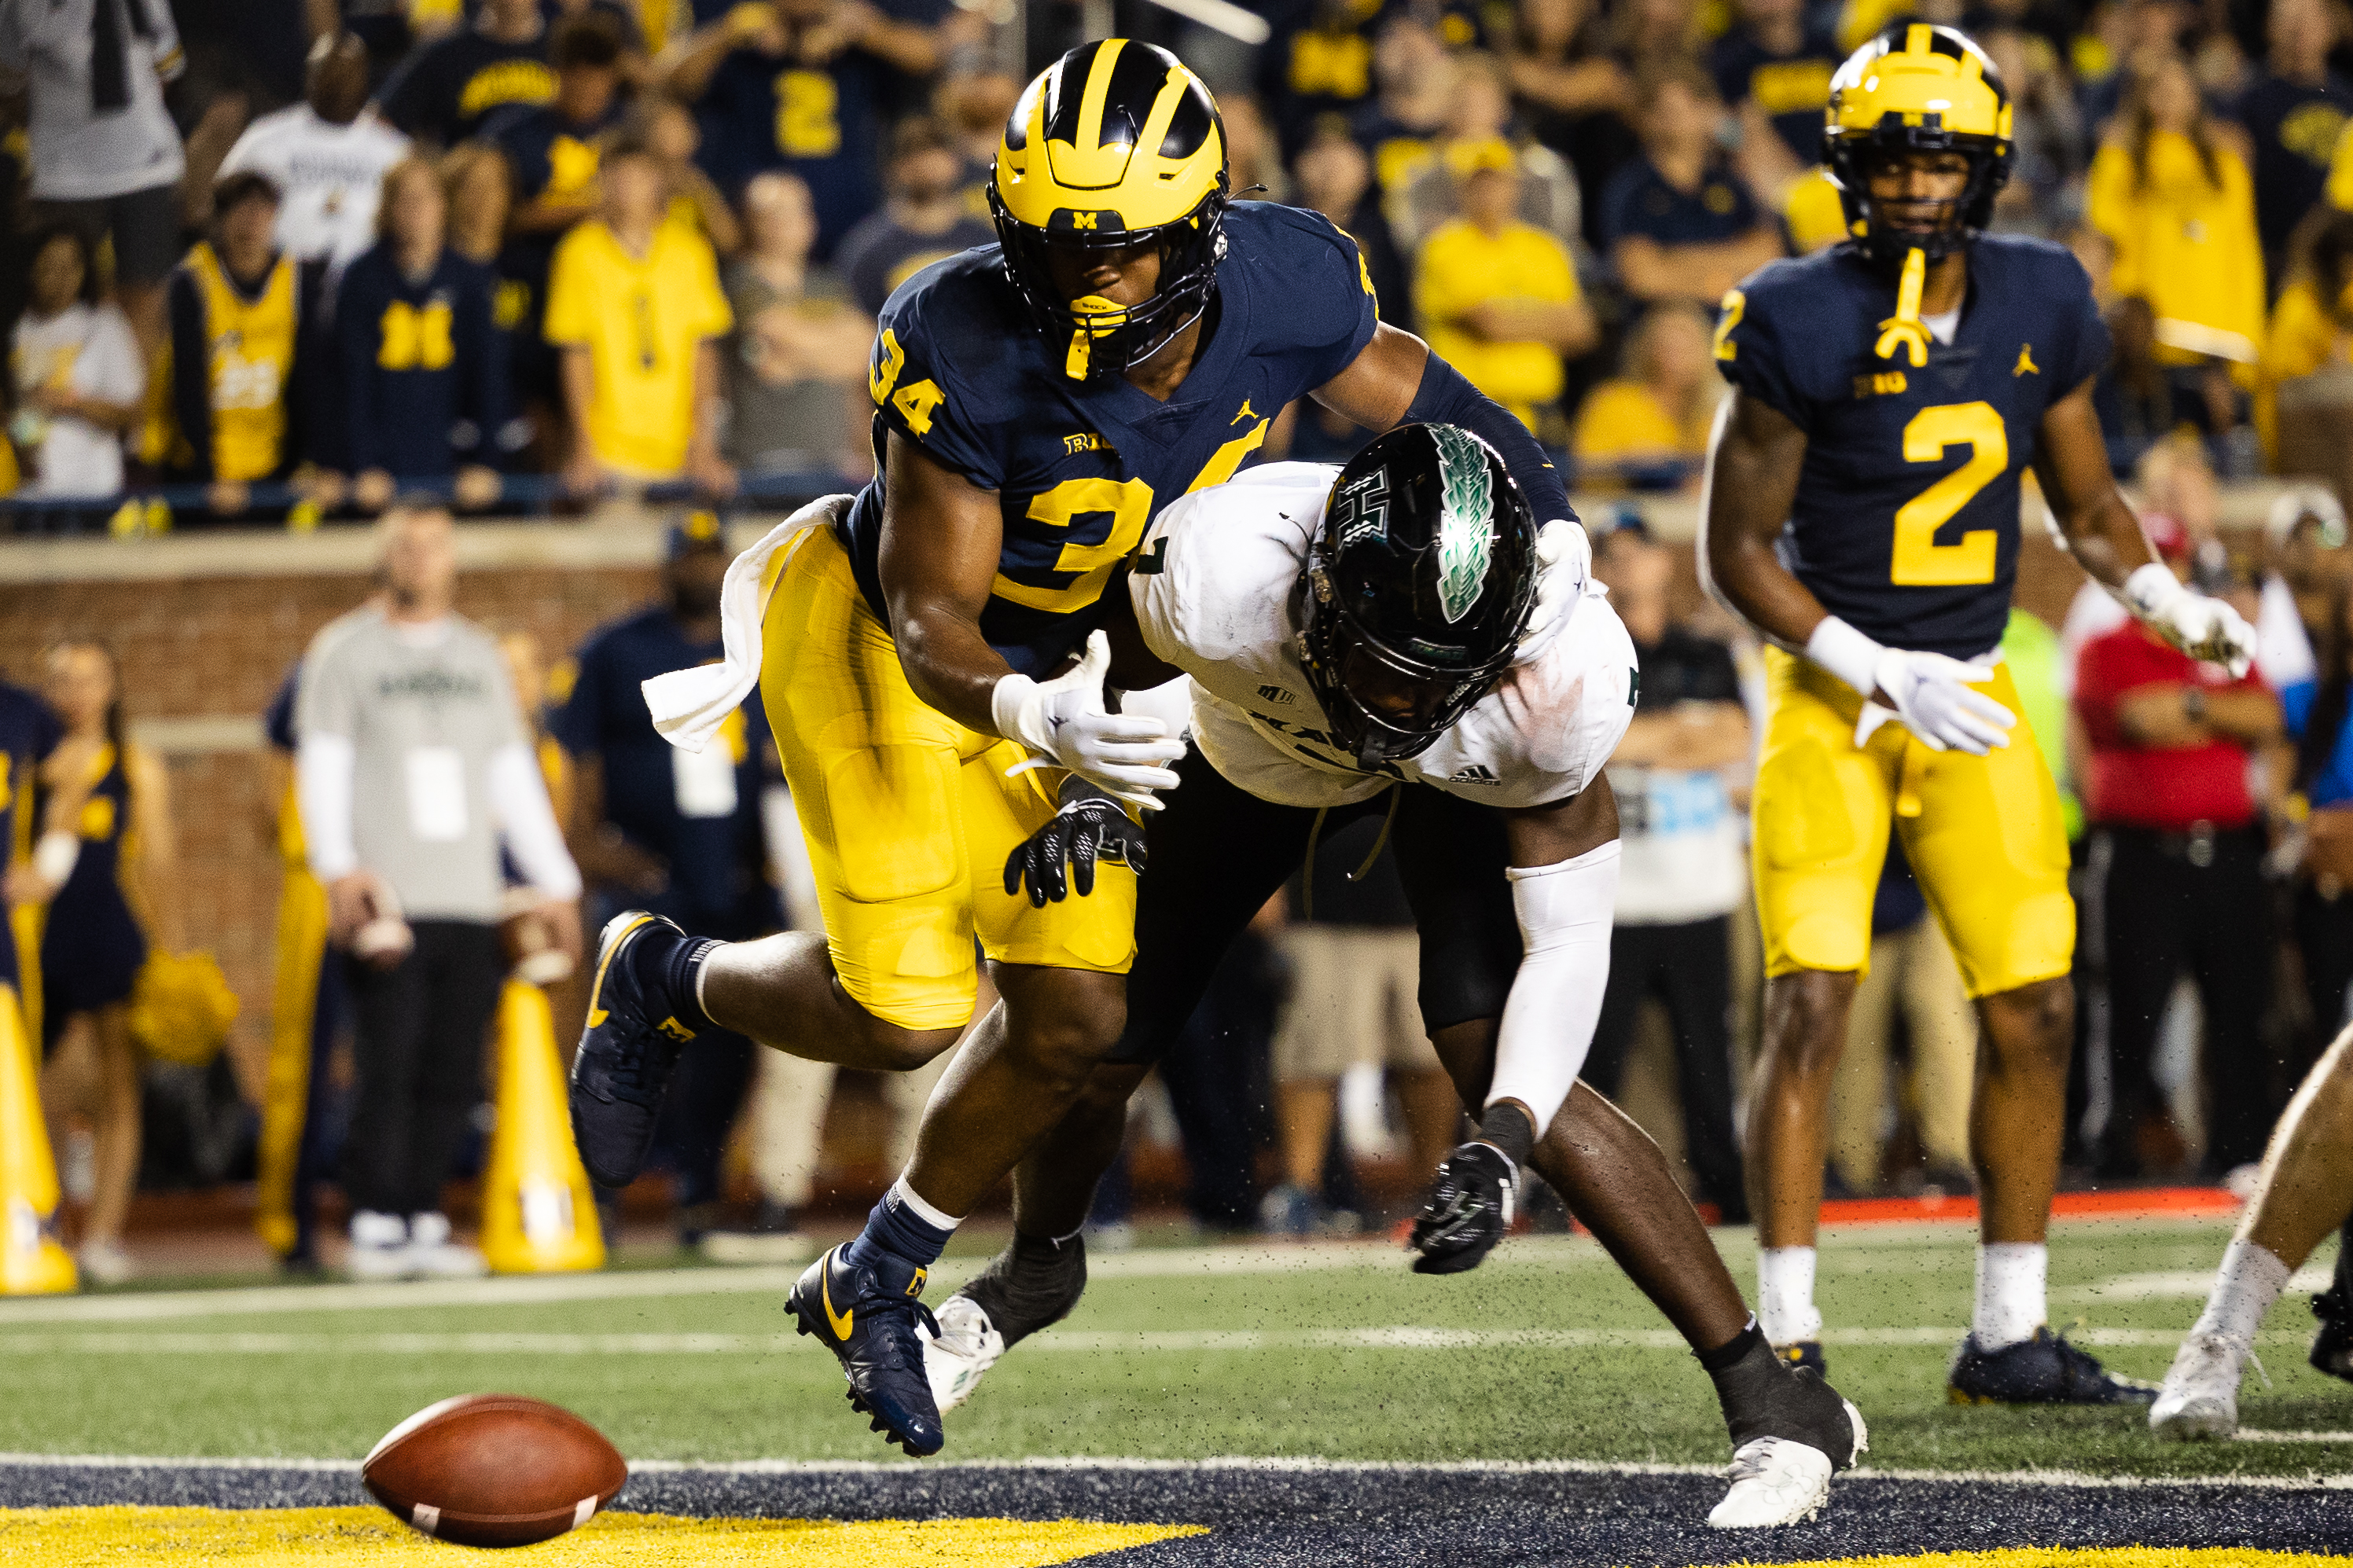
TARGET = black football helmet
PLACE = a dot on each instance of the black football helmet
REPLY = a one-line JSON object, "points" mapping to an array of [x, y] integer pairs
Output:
{"points": [[1417, 588]]}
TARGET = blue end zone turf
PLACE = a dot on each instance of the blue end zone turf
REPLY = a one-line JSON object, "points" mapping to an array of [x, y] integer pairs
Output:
{"points": [[1264, 1513]]}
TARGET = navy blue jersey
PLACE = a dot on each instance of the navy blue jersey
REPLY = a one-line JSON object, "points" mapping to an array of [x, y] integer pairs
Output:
{"points": [[422, 363], [706, 828], [1639, 201], [2295, 129], [1790, 88], [823, 121], [880, 254], [444, 91], [1080, 469], [1905, 522]]}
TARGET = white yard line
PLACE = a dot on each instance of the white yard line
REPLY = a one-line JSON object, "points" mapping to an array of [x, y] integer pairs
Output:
{"points": [[1273, 1465], [2173, 1287], [1399, 1337]]}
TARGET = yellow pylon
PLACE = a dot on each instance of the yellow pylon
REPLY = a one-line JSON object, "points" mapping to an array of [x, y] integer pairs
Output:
{"points": [[31, 1261], [539, 1215]]}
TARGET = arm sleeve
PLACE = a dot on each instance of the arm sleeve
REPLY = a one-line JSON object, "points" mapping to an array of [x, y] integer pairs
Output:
{"points": [[518, 801], [1332, 312], [712, 316], [325, 769], [1447, 398], [1565, 911], [192, 401], [1749, 354], [119, 372], [570, 318], [918, 394]]}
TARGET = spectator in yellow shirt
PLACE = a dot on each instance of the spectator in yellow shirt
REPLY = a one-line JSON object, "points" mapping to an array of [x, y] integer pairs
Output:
{"points": [[1648, 428], [2179, 206], [634, 307], [2311, 323], [1497, 297]]}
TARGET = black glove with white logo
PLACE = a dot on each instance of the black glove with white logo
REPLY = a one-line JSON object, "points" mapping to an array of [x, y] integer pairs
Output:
{"points": [[1469, 1211], [1089, 827]]}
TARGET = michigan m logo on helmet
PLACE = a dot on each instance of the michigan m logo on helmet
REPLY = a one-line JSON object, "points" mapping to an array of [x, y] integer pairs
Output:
{"points": [[1117, 145]]}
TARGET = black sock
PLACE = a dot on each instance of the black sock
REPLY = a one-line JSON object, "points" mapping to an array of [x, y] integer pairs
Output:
{"points": [[1508, 1128], [1762, 1398], [1031, 1285], [669, 967]]}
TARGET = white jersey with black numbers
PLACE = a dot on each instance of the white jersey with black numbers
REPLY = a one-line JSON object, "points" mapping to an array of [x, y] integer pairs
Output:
{"points": [[1213, 592]]}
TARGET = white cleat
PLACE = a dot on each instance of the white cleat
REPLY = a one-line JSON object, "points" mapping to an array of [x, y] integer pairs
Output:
{"points": [[1779, 1480], [2200, 1396], [967, 1346]]}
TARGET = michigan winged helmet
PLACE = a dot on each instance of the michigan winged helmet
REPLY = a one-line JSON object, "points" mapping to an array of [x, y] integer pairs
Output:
{"points": [[1114, 145]]}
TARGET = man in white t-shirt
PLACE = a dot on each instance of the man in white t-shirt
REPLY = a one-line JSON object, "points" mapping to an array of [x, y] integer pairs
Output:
{"points": [[106, 155], [327, 156]]}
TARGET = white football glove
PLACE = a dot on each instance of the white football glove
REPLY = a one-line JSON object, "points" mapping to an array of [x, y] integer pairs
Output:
{"points": [[2204, 629], [1564, 567], [1936, 700], [1065, 722]]}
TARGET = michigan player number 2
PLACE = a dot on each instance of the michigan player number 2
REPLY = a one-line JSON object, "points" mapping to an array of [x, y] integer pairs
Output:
{"points": [[1919, 561]]}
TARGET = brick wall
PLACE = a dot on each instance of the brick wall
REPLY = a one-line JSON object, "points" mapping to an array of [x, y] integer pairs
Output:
{"points": [[217, 647]]}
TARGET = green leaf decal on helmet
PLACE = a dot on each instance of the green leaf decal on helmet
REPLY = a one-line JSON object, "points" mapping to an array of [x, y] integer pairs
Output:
{"points": [[1466, 530]]}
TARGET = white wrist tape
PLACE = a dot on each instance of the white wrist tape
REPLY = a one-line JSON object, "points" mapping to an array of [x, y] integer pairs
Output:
{"points": [[2151, 590], [1006, 701], [1847, 654], [1565, 911], [53, 855]]}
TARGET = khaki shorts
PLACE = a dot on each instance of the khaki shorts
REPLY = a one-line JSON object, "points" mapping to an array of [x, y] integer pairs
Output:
{"points": [[1353, 1001]]}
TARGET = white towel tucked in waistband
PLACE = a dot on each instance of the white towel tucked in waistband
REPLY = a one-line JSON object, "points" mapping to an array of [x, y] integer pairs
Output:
{"points": [[689, 705]]}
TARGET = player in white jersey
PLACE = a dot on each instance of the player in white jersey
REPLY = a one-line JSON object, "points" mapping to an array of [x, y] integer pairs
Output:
{"points": [[1372, 640]]}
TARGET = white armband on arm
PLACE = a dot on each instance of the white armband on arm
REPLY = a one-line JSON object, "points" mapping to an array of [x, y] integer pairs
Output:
{"points": [[518, 801], [1565, 914], [326, 767]]}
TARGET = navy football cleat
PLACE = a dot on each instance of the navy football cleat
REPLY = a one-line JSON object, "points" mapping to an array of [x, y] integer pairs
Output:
{"points": [[2332, 1343], [2044, 1370], [625, 1055], [875, 1323], [1804, 1355]]}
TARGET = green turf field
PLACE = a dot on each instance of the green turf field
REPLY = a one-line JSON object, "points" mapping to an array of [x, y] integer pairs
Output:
{"points": [[1546, 1353]]}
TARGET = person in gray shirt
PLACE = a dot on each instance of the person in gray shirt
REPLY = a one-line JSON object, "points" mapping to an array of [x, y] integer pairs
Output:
{"points": [[414, 765]]}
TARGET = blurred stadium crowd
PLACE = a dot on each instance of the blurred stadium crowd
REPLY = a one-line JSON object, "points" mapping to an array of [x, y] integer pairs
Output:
{"points": [[284, 261]]}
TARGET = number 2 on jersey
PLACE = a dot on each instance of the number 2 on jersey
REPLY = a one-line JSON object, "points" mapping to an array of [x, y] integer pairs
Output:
{"points": [[1919, 560]]}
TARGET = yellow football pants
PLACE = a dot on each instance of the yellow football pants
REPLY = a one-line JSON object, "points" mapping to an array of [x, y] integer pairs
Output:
{"points": [[909, 815], [1984, 835]]}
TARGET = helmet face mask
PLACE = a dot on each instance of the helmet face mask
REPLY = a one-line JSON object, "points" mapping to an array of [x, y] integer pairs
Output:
{"points": [[1913, 90], [1115, 145], [1416, 590]]}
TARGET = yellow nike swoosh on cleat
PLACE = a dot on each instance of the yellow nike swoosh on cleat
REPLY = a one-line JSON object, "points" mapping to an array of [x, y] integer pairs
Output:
{"points": [[597, 1015], [840, 1323]]}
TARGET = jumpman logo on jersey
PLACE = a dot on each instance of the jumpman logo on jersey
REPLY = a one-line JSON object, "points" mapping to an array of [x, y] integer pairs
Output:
{"points": [[2026, 365], [1247, 412]]}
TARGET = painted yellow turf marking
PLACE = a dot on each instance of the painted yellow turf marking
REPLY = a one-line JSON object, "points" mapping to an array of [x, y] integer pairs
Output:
{"points": [[286, 1538], [2091, 1557]]}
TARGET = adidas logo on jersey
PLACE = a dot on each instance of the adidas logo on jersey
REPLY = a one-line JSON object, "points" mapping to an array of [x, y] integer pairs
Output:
{"points": [[1477, 773], [1276, 694]]}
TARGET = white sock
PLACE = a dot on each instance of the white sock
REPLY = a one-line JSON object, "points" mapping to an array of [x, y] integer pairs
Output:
{"points": [[2011, 1276], [1785, 1295], [907, 1197], [2249, 1282]]}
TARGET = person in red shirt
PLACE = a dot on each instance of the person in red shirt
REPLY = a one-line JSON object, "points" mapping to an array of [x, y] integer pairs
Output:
{"points": [[2179, 832]]}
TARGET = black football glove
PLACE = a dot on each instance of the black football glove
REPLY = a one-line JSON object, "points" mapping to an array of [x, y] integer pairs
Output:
{"points": [[1089, 827], [1469, 1209]]}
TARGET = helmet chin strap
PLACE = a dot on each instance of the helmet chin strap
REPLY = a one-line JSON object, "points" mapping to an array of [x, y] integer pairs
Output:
{"points": [[1905, 330]]}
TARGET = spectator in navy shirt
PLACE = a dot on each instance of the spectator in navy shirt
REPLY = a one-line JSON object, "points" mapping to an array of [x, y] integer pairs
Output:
{"points": [[675, 832], [1774, 69], [424, 367], [2294, 115], [1679, 222], [802, 86], [924, 220], [448, 86]]}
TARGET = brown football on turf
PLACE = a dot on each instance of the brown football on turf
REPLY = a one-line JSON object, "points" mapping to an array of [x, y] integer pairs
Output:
{"points": [[493, 1469]]}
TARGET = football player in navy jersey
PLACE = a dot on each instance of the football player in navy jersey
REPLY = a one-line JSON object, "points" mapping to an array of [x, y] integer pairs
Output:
{"points": [[1863, 514], [1131, 338]]}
